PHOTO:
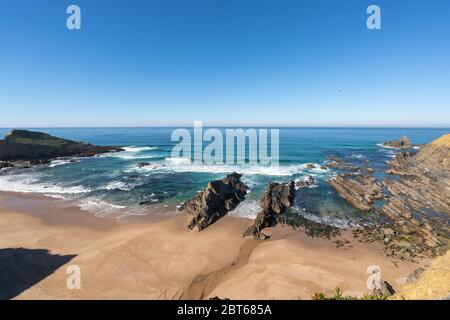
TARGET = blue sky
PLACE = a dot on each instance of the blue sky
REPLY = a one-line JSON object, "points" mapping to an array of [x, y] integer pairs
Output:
{"points": [[226, 62]]}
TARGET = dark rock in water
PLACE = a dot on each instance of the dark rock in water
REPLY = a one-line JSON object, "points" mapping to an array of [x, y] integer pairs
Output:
{"points": [[310, 166], [338, 163], [215, 201], [38, 147], [276, 199], [143, 164], [335, 159], [413, 277], [385, 290], [308, 182], [359, 190], [402, 143]]}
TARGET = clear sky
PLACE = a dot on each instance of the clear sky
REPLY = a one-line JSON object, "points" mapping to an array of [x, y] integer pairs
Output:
{"points": [[226, 62]]}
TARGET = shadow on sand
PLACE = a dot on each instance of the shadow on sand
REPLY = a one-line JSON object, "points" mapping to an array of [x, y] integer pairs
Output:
{"points": [[21, 268]]}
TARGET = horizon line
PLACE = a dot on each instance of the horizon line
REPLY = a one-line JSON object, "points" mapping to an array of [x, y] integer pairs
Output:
{"points": [[238, 126]]}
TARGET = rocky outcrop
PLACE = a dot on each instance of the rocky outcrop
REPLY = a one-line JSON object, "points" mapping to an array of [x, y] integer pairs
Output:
{"points": [[434, 158], [277, 198], [24, 148], [305, 183], [360, 191], [418, 203], [215, 201], [402, 143], [399, 162]]}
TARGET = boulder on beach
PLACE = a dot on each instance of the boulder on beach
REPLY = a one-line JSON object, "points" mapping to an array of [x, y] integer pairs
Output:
{"points": [[215, 201], [277, 198]]}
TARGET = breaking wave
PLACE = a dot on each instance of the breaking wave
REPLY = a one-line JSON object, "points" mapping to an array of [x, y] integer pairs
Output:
{"points": [[185, 165]]}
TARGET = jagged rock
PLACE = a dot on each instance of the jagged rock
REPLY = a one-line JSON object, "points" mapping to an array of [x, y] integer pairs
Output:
{"points": [[277, 198], [215, 201], [399, 162], [38, 147], [310, 166], [402, 143], [359, 190], [305, 183]]}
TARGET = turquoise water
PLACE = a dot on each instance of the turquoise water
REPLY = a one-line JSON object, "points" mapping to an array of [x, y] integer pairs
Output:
{"points": [[113, 185]]}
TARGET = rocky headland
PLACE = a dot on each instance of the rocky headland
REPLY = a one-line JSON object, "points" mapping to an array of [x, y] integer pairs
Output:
{"points": [[415, 195], [23, 148]]}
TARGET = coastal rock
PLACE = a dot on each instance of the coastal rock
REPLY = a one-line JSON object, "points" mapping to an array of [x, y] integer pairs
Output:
{"points": [[306, 183], [277, 198], [20, 146], [310, 166], [435, 157], [215, 201], [338, 163], [402, 143], [143, 164], [359, 190], [399, 162]]}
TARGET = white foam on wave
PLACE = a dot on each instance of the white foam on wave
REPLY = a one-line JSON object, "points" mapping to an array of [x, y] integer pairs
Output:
{"points": [[117, 185], [139, 148], [247, 209], [101, 208], [382, 145], [337, 222], [185, 165], [131, 152], [29, 183], [60, 162]]}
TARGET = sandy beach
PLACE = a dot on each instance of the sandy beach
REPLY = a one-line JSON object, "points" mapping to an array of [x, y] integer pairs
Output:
{"points": [[154, 257]]}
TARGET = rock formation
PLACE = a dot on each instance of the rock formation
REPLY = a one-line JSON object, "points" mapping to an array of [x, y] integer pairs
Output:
{"points": [[23, 148], [361, 191], [277, 198], [417, 201], [402, 143], [308, 182], [215, 201]]}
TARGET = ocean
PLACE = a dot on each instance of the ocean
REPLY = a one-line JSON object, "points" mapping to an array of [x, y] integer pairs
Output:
{"points": [[112, 185]]}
